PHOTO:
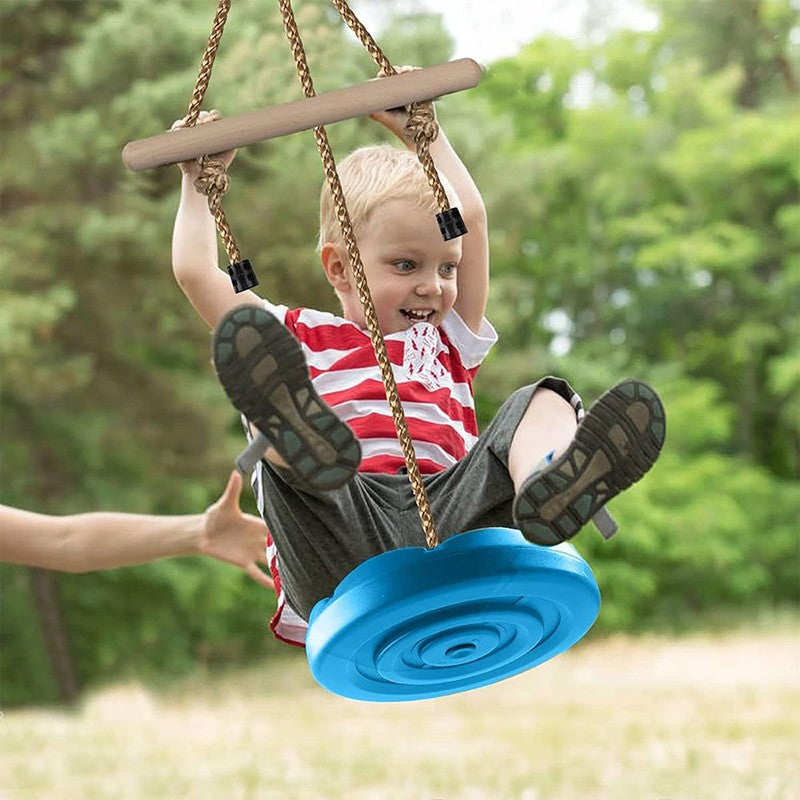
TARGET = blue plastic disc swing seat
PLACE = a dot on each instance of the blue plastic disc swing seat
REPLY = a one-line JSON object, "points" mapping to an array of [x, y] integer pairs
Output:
{"points": [[412, 623]]}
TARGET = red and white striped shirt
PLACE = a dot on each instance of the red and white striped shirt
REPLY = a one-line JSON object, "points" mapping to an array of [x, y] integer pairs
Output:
{"points": [[434, 369]]}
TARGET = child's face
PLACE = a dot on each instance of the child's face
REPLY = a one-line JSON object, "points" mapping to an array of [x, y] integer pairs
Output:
{"points": [[410, 269]]}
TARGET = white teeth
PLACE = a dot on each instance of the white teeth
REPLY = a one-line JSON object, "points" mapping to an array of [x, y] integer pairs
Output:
{"points": [[417, 315]]}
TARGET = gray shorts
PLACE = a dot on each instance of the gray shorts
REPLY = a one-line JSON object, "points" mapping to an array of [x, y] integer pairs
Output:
{"points": [[321, 537]]}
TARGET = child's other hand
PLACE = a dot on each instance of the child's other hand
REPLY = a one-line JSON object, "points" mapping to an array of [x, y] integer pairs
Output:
{"points": [[192, 168], [395, 119]]}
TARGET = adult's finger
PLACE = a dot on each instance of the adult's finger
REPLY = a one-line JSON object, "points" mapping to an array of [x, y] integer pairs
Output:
{"points": [[258, 575]]}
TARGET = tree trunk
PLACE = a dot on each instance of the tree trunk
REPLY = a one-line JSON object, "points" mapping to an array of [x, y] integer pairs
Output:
{"points": [[45, 598]]}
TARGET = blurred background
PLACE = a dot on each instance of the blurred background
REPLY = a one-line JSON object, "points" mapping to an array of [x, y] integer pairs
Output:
{"points": [[639, 162]]}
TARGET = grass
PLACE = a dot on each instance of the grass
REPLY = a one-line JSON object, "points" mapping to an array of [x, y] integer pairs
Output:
{"points": [[694, 718]]}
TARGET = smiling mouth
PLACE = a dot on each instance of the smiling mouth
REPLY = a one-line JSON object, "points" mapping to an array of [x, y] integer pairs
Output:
{"points": [[422, 315]]}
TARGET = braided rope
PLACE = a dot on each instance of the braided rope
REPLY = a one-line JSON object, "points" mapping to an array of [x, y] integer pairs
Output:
{"points": [[365, 37], [207, 63], [213, 180], [378, 344], [422, 126], [423, 129]]}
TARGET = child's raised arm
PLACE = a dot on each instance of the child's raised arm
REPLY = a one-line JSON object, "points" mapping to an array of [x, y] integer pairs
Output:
{"points": [[473, 271], [195, 261]]}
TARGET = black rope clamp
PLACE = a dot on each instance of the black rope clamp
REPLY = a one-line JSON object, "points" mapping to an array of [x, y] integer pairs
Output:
{"points": [[242, 276], [451, 224]]}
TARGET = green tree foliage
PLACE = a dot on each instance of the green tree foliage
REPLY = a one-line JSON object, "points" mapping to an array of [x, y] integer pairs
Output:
{"points": [[109, 400], [644, 209], [652, 228], [750, 35]]}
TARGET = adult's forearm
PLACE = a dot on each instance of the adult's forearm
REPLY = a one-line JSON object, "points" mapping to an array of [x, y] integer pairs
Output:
{"points": [[104, 540], [95, 541]]}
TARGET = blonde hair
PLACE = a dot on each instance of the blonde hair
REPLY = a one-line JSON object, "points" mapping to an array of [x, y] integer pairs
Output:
{"points": [[372, 176]]}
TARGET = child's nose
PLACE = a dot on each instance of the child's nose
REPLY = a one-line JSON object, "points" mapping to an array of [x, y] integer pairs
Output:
{"points": [[429, 284]]}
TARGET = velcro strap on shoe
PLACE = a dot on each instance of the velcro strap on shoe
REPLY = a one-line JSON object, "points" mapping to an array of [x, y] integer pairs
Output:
{"points": [[605, 523], [252, 454]]}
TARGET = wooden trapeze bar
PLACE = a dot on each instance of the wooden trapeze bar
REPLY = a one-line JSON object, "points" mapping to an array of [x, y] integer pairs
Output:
{"points": [[395, 91]]}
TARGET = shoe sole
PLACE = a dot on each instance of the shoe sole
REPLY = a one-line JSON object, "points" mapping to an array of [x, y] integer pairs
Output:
{"points": [[616, 443], [264, 373]]}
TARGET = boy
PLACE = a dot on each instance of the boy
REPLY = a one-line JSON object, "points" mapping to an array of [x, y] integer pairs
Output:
{"points": [[332, 482]]}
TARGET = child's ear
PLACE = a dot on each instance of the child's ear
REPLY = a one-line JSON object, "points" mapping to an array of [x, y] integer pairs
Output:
{"points": [[335, 267]]}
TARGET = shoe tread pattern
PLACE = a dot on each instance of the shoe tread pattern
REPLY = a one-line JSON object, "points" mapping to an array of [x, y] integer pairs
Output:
{"points": [[617, 442], [262, 368]]}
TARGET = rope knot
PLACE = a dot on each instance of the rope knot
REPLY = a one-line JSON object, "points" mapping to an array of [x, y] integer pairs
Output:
{"points": [[213, 178], [422, 125]]}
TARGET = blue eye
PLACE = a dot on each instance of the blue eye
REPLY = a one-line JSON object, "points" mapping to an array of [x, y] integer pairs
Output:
{"points": [[404, 265], [448, 270]]}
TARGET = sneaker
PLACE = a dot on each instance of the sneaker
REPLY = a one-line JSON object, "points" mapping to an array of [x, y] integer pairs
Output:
{"points": [[263, 371], [616, 443]]}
